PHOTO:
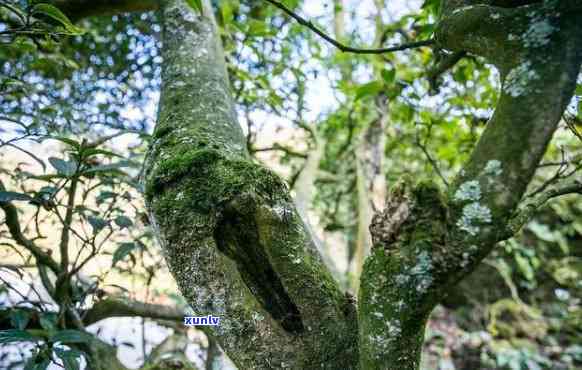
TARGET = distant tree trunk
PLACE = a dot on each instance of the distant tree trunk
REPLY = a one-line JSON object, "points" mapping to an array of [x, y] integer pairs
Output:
{"points": [[239, 250]]}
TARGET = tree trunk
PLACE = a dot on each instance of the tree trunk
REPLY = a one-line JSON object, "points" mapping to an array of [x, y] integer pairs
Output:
{"points": [[371, 184], [231, 235]]}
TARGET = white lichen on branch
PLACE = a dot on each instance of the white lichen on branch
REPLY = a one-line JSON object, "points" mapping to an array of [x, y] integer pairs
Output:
{"points": [[493, 168], [519, 78], [474, 214], [539, 32], [469, 190]]}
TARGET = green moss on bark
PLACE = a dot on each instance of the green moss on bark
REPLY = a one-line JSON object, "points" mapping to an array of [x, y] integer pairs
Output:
{"points": [[213, 180], [245, 211], [397, 286]]}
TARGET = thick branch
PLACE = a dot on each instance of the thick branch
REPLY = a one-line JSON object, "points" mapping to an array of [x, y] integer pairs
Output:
{"points": [[535, 93], [115, 307], [104, 309], [424, 242]]}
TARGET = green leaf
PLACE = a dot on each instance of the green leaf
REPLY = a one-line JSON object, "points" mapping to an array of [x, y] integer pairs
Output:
{"points": [[542, 231], [19, 318], [70, 358], [9, 196], [39, 362], [93, 151], [196, 5], [15, 335], [389, 75], [123, 222], [65, 168], [258, 28], [104, 195], [54, 13], [97, 223], [71, 336], [370, 88], [48, 321], [70, 142], [524, 266], [123, 251], [226, 11]]}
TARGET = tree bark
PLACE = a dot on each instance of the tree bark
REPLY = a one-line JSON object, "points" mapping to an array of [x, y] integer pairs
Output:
{"points": [[231, 235]]}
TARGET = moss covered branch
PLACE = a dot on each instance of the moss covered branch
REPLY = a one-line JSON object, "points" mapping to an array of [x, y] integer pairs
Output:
{"points": [[426, 241], [528, 210]]}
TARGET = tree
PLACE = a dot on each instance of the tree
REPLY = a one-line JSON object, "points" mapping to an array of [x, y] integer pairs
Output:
{"points": [[238, 248]]}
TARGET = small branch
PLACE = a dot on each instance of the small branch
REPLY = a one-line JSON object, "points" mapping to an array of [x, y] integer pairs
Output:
{"points": [[13, 224], [556, 177], [278, 147], [345, 48], [64, 244], [572, 122], [102, 140], [531, 207], [429, 157], [446, 62], [116, 307]]}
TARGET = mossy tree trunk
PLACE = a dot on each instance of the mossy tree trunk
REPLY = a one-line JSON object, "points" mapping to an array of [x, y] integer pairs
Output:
{"points": [[239, 250], [231, 235]]}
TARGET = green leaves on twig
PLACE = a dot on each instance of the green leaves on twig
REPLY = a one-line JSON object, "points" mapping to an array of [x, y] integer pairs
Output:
{"points": [[54, 13]]}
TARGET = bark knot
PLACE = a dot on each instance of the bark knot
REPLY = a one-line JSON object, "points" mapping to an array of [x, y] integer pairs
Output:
{"points": [[385, 225]]}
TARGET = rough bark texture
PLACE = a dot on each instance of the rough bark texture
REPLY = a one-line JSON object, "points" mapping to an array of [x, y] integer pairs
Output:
{"points": [[232, 238]]}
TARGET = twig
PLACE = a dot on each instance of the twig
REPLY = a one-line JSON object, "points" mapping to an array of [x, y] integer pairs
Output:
{"points": [[571, 122], [345, 48], [444, 63], [557, 176], [531, 207], [13, 223], [429, 157], [279, 147], [64, 243]]}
